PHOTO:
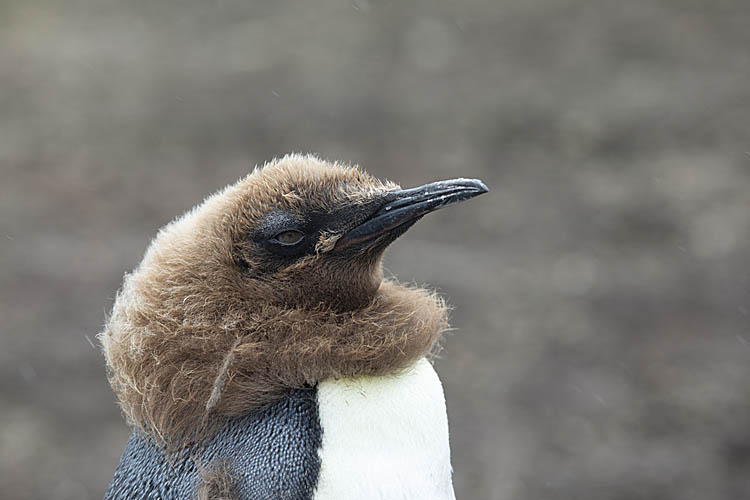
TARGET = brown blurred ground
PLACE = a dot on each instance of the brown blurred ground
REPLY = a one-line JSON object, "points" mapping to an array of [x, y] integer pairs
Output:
{"points": [[602, 348]]}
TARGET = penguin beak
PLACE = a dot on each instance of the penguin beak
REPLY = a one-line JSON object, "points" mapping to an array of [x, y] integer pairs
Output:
{"points": [[405, 207]]}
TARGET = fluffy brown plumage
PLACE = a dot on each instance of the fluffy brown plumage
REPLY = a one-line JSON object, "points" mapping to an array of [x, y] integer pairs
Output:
{"points": [[216, 483], [211, 326]]}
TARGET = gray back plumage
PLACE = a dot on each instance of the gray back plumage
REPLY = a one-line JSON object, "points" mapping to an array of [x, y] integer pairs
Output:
{"points": [[270, 454]]}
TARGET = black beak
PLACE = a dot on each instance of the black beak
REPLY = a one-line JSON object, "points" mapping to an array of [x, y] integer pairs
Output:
{"points": [[406, 206]]}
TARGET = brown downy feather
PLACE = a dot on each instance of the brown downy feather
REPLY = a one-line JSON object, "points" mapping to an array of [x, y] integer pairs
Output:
{"points": [[216, 483], [192, 340]]}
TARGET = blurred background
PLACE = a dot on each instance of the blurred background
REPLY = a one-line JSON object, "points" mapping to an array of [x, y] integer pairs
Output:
{"points": [[602, 348]]}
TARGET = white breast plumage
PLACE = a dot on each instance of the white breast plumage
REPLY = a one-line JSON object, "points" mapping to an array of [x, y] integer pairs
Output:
{"points": [[384, 438]]}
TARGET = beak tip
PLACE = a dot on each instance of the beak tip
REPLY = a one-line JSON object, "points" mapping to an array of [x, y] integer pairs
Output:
{"points": [[475, 185], [472, 187], [481, 186]]}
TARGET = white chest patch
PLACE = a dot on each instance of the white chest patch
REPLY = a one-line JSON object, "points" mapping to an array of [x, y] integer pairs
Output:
{"points": [[384, 438]]}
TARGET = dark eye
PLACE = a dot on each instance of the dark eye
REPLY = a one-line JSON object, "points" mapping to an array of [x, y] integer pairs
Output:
{"points": [[289, 237]]}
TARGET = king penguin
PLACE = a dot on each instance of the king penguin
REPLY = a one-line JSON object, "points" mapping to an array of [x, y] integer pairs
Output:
{"points": [[259, 353]]}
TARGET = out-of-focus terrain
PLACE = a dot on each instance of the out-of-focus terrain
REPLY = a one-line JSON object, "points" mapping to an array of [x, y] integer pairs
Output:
{"points": [[601, 290]]}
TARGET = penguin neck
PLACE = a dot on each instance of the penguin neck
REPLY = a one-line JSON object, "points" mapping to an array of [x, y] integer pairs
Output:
{"points": [[179, 381]]}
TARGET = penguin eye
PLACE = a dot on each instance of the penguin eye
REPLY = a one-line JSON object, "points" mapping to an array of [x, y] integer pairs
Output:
{"points": [[291, 237]]}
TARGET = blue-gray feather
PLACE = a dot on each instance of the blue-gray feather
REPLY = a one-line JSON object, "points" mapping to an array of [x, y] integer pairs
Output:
{"points": [[272, 453]]}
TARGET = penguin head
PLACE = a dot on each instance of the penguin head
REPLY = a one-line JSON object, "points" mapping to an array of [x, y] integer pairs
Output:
{"points": [[285, 227], [298, 232]]}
